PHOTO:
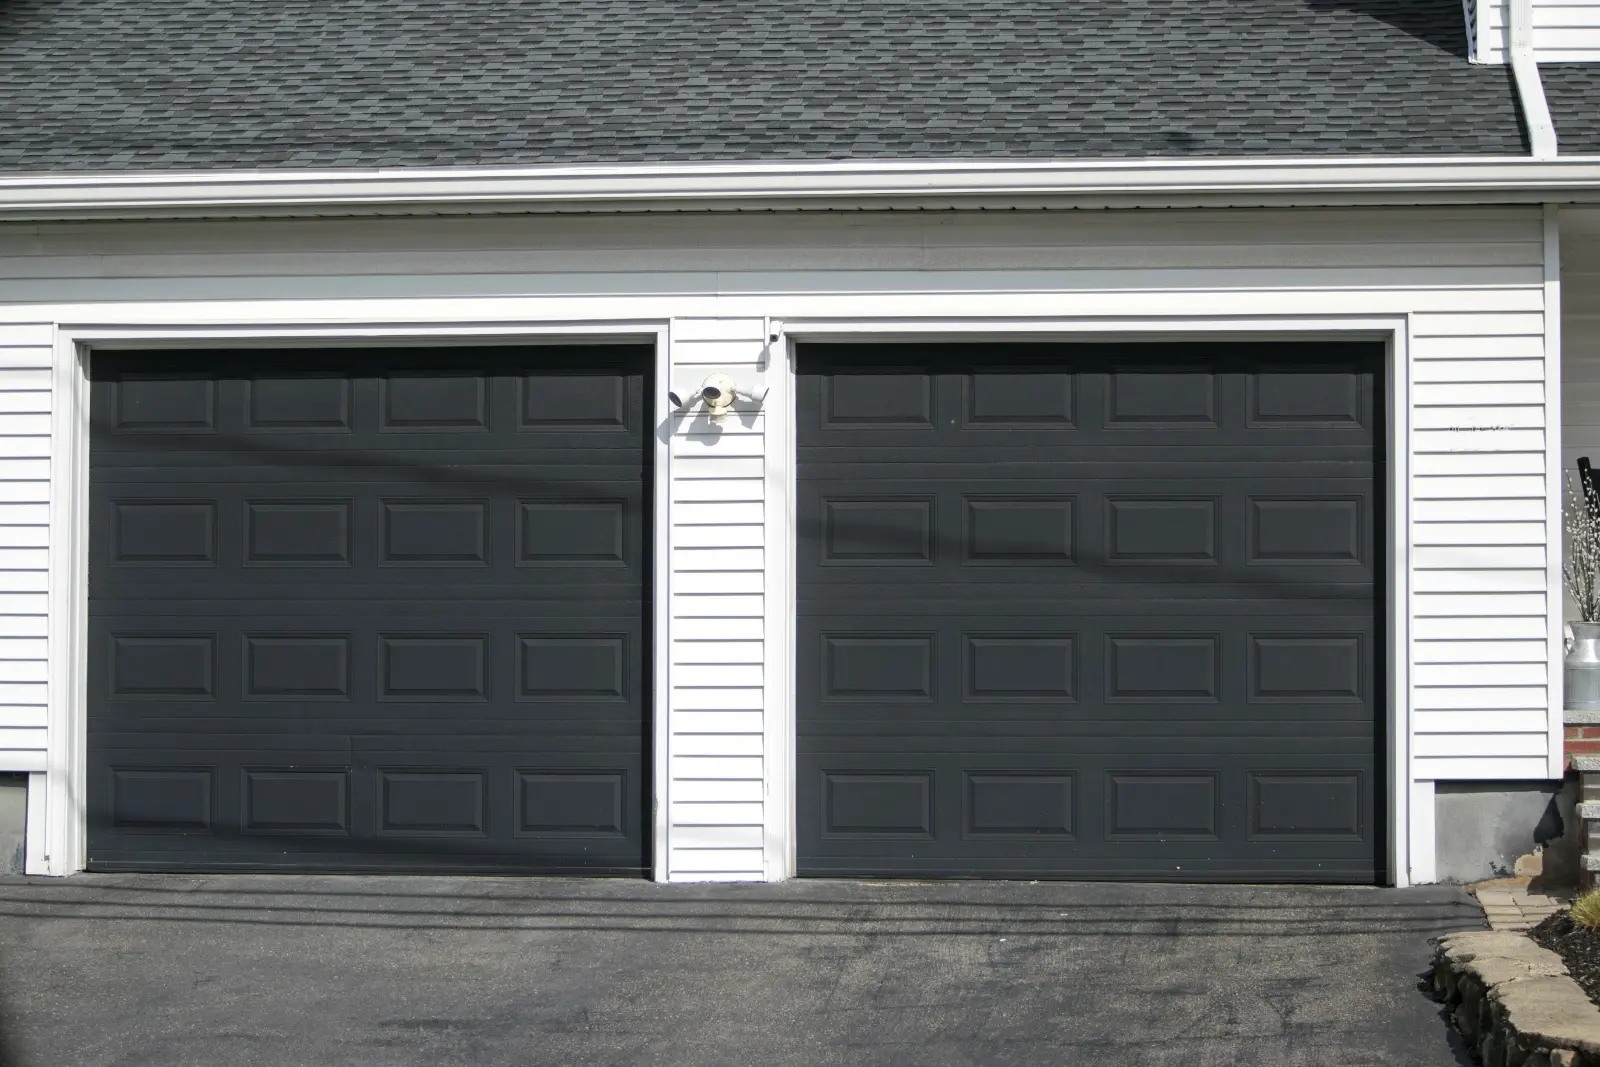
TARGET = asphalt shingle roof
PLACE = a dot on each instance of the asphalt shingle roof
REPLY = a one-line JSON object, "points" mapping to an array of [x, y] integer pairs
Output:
{"points": [[1573, 93], [91, 85]]}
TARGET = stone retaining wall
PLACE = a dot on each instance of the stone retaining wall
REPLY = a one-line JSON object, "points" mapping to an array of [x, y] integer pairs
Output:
{"points": [[1514, 1002]]}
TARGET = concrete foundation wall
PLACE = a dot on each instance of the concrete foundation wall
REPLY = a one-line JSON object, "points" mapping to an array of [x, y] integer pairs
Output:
{"points": [[13, 821], [1481, 828]]}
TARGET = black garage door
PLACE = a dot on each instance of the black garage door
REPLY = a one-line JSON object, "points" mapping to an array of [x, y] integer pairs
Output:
{"points": [[1090, 611], [357, 610]]}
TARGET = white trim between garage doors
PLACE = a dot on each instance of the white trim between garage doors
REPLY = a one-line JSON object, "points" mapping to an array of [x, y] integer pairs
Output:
{"points": [[57, 796]]}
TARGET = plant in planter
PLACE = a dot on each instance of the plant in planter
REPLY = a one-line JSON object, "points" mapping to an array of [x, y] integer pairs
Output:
{"points": [[1580, 574]]}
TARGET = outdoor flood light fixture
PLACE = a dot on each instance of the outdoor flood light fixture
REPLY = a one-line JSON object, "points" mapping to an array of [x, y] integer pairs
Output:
{"points": [[717, 394]]}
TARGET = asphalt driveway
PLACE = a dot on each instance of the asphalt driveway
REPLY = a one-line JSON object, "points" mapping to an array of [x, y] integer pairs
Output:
{"points": [[237, 971]]}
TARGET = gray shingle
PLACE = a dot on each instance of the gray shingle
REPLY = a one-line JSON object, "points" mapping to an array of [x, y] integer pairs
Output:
{"points": [[1573, 92], [153, 84]]}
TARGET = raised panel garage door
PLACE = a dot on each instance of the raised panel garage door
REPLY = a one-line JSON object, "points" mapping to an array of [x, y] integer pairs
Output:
{"points": [[366, 611], [1090, 611]]}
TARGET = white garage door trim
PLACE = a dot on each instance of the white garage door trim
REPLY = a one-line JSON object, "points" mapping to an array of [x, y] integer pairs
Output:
{"points": [[1406, 864], [56, 840]]}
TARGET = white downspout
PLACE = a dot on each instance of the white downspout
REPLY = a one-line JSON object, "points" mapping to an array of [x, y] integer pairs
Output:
{"points": [[1525, 72]]}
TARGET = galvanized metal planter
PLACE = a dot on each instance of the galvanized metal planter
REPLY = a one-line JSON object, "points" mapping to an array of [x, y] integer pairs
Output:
{"points": [[1582, 667]]}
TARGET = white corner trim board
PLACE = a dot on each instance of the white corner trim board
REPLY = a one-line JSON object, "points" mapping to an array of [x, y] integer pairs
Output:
{"points": [[1553, 475], [643, 187]]}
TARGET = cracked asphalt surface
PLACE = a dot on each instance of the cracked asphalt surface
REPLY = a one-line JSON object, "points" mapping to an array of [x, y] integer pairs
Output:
{"points": [[243, 970]]}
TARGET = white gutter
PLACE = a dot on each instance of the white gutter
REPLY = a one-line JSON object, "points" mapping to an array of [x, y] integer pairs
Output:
{"points": [[725, 186], [1530, 89]]}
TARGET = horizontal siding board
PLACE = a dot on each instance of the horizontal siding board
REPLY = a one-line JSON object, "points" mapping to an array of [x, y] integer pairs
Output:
{"points": [[717, 814], [1483, 509], [19, 581], [747, 606], [687, 652], [1528, 346], [686, 560], [24, 752], [1478, 533], [1475, 488], [1484, 581], [730, 863], [710, 722], [1497, 721], [707, 698], [718, 790], [27, 335], [1486, 652], [23, 670], [15, 403], [19, 714], [1449, 464], [31, 357], [725, 581], [716, 465], [717, 837], [1492, 605], [717, 674], [1472, 675], [718, 514], [718, 491], [1476, 441], [1470, 394], [722, 768], [1468, 697], [747, 535], [1480, 768], [1507, 417], [694, 630], [1481, 745], [1450, 371], [1456, 628], [689, 745], [730, 444], [1476, 324], [1476, 557]]}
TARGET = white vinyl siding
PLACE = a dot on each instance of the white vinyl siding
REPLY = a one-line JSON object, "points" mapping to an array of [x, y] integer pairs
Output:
{"points": [[25, 375], [717, 768], [1479, 542], [1564, 31], [1465, 284]]}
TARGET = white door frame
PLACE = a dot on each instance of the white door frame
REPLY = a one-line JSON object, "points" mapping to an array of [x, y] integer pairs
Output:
{"points": [[1393, 330], [56, 798]]}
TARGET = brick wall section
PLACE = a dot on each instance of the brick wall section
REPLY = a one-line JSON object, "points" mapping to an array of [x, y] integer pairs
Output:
{"points": [[1581, 740]]}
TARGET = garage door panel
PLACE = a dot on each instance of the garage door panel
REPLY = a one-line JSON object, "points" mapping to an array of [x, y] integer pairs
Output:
{"points": [[1279, 528], [1088, 612], [993, 813], [387, 607]]}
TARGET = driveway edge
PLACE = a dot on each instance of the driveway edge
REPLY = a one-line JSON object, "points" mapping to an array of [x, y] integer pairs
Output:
{"points": [[1515, 1002]]}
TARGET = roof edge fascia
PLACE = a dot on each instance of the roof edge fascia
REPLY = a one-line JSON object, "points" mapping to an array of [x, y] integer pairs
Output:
{"points": [[800, 185]]}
